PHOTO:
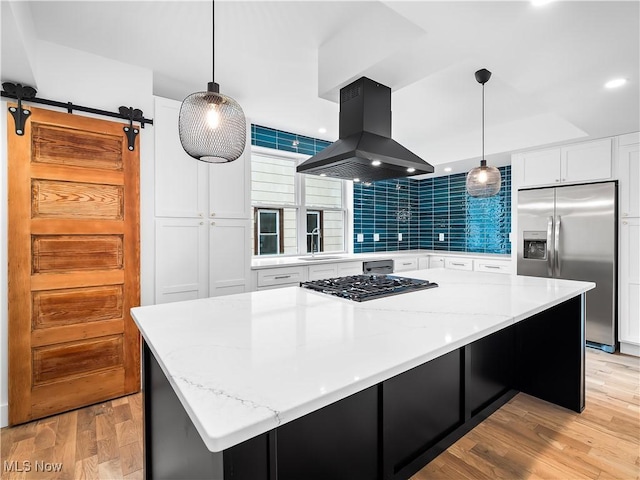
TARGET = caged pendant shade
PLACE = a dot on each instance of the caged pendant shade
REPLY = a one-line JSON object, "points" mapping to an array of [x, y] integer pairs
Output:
{"points": [[212, 126], [483, 181]]}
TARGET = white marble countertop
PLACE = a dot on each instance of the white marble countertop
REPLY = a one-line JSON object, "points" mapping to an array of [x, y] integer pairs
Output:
{"points": [[244, 364], [290, 261]]}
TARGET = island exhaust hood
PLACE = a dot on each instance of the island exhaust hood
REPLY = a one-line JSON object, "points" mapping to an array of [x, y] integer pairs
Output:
{"points": [[365, 151]]}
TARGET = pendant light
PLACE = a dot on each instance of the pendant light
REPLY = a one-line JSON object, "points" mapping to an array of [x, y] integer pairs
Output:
{"points": [[212, 126], [483, 181]]}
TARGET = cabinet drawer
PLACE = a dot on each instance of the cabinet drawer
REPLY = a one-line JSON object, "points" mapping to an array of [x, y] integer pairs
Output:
{"points": [[405, 264], [349, 268], [436, 262], [458, 263], [493, 266], [280, 276], [322, 271]]}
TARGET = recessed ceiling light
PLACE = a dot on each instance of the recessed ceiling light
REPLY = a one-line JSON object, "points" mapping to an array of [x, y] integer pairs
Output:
{"points": [[376, 163], [616, 82], [540, 3], [322, 130], [447, 169], [411, 169], [356, 179], [323, 174]]}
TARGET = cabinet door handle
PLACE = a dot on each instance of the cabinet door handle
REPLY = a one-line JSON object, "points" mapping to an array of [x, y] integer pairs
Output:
{"points": [[201, 223], [213, 223], [458, 264], [280, 277], [212, 215], [624, 223], [625, 214], [407, 263], [491, 266]]}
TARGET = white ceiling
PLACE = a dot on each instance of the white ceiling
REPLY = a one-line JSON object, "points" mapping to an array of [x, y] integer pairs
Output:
{"points": [[284, 62]]}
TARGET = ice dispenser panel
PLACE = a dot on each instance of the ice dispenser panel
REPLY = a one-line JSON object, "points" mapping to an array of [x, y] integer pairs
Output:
{"points": [[535, 245]]}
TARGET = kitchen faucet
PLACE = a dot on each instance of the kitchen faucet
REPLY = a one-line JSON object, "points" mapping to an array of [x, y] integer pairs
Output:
{"points": [[313, 233]]}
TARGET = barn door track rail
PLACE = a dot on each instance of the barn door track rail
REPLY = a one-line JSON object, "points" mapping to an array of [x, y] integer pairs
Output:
{"points": [[26, 93]]}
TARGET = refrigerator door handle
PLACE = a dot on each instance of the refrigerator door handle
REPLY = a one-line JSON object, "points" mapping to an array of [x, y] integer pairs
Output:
{"points": [[556, 245], [550, 256]]}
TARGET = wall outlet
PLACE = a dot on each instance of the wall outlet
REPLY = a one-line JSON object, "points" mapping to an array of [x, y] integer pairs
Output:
{"points": [[399, 237], [360, 237], [441, 237], [376, 237]]}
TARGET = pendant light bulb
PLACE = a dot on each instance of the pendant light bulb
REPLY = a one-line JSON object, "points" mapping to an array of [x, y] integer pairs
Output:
{"points": [[213, 117], [483, 181], [212, 127]]}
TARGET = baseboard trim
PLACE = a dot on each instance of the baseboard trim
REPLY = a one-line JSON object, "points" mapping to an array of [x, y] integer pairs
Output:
{"points": [[4, 415], [630, 349]]}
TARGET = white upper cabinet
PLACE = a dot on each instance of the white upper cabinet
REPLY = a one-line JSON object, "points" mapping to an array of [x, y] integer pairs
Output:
{"points": [[181, 189], [587, 162], [540, 168], [229, 195], [629, 181], [578, 163]]}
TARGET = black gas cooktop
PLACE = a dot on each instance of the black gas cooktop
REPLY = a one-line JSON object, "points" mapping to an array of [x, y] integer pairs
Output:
{"points": [[367, 287]]}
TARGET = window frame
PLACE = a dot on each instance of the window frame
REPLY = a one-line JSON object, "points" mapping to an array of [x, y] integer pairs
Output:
{"points": [[256, 230], [300, 207], [320, 215]]}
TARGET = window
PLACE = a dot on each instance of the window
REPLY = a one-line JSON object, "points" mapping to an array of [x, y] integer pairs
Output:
{"points": [[314, 231], [267, 237], [293, 206]]}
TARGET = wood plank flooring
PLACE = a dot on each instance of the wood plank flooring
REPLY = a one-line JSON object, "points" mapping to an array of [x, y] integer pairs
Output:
{"points": [[103, 441], [526, 439], [531, 439]]}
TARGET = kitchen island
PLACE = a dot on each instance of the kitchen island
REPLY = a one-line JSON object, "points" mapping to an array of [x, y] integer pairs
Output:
{"points": [[292, 383]]}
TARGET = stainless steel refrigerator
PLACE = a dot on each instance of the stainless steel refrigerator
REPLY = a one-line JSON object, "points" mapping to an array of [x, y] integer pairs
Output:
{"points": [[570, 232]]}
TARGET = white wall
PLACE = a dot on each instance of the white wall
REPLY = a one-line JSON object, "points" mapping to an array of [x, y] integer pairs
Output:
{"points": [[66, 74]]}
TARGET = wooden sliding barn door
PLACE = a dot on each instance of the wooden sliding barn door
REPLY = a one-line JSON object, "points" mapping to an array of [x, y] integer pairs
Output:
{"points": [[74, 261]]}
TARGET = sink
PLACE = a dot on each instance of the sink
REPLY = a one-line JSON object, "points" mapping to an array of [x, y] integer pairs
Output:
{"points": [[320, 257]]}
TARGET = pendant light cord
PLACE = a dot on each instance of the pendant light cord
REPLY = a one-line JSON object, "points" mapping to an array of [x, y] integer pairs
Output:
{"points": [[213, 41], [483, 122]]}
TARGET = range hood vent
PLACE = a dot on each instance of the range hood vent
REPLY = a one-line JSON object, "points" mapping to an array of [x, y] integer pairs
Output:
{"points": [[365, 150]]}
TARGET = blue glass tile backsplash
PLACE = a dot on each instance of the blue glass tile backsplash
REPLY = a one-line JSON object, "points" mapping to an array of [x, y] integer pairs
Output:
{"points": [[407, 214], [434, 214], [290, 142]]}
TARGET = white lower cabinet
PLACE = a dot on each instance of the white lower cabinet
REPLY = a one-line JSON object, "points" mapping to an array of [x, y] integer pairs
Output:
{"points": [[436, 262], [198, 258], [280, 277], [423, 263], [492, 266], [277, 277], [456, 263], [322, 271], [181, 259], [403, 264], [229, 242], [349, 268], [629, 331]]}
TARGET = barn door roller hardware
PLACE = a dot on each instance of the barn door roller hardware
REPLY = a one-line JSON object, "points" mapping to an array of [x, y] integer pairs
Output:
{"points": [[24, 92], [19, 114]]}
